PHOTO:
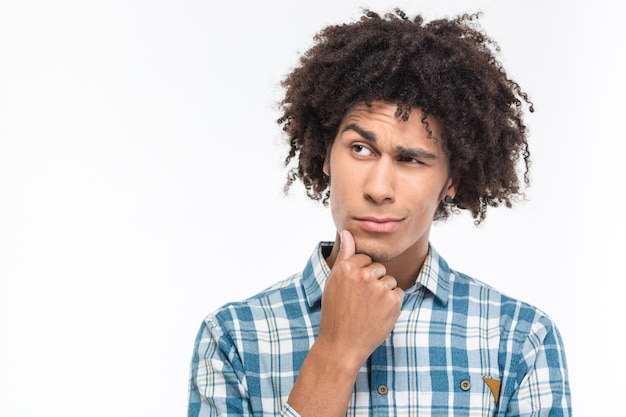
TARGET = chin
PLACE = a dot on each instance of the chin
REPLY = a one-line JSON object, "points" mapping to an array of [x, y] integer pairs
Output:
{"points": [[377, 253]]}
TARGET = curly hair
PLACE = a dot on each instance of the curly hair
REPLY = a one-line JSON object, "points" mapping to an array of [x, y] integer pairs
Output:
{"points": [[446, 67]]}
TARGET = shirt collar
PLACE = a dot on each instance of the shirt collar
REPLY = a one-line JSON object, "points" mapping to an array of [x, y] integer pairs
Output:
{"points": [[434, 275], [315, 273]]}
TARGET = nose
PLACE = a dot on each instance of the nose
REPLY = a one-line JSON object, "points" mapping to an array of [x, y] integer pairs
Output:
{"points": [[380, 182]]}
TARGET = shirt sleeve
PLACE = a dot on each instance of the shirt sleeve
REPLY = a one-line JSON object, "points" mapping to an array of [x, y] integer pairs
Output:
{"points": [[544, 387], [217, 386], [217, 381]]}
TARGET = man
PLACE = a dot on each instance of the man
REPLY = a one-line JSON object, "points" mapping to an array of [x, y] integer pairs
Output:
{"points": [[397, 122]]}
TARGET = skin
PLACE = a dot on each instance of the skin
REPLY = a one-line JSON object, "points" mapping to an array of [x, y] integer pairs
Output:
{"points": [[387, 180]]}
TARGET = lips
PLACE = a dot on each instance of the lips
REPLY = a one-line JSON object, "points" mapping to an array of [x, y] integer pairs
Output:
{"points": [[378, 225]]}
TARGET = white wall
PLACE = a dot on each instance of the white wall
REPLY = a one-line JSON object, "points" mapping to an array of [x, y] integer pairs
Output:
{"points": [[141, 177]]}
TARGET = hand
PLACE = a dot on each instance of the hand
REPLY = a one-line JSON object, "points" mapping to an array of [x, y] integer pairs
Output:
{"points": [[360, 304]]}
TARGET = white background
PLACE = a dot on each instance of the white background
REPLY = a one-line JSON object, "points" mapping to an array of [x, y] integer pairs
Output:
{"points": [[141, 188]]}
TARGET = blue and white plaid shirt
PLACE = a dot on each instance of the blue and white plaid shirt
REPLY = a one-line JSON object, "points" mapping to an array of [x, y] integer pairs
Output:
{"points": [[459, 348]]}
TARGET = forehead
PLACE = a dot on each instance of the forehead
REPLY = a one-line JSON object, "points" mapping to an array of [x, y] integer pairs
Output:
{"points": [[383, 117]]}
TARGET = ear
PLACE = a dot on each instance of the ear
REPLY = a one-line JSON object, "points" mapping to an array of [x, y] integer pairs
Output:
{"points": [[452, 185], [326, 166]]}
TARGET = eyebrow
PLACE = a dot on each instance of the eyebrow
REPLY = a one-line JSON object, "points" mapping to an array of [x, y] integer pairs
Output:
{"points": [[365, 133], [404, 151]]}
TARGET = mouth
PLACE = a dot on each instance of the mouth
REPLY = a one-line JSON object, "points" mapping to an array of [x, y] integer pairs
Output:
{"points": [[378, 225]]}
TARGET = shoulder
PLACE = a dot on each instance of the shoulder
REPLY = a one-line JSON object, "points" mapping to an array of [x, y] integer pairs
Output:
{"points": [[487, 301], [274, 301]]}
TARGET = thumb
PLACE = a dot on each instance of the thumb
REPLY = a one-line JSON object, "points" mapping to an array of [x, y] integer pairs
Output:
{"points": [[347, 245]]}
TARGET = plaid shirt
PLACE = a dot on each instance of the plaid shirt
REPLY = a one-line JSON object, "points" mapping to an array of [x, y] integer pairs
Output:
{"points": [[458, 348]]}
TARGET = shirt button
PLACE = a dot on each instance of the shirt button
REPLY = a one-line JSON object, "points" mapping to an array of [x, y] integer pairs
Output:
{"points": [[382, 390], [465, 385]]}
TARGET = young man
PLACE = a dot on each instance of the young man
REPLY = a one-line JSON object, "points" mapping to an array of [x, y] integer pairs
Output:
{"points": [[397, 123]]}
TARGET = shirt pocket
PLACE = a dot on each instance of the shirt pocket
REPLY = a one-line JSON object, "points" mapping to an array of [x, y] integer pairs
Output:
{"points": [[459, 394]]}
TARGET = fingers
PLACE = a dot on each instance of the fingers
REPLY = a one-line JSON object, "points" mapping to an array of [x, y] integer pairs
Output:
{"points": [[347, 250], [389, 282], [347, 246], [375, 271], [399, 292]]}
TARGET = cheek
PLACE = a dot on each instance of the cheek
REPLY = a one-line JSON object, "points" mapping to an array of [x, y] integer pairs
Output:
{"points": [[423, 201], [338, 201], [338, 216], [345, 197]]}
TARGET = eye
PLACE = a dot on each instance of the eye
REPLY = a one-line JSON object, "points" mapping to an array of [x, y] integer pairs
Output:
{"points": [[410, 160], [361, 150]]}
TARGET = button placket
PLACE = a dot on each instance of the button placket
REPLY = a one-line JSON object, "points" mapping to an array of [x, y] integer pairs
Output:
{"points": [[380, 382]]}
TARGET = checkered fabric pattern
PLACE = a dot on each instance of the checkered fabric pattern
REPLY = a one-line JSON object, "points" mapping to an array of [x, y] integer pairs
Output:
{"points": [[459, 348]]}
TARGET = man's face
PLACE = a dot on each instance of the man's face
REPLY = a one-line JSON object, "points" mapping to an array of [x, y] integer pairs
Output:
{"points": [[387, 178]]}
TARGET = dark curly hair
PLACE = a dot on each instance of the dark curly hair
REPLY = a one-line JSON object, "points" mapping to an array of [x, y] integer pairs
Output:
{"points": [[447, 67]]}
